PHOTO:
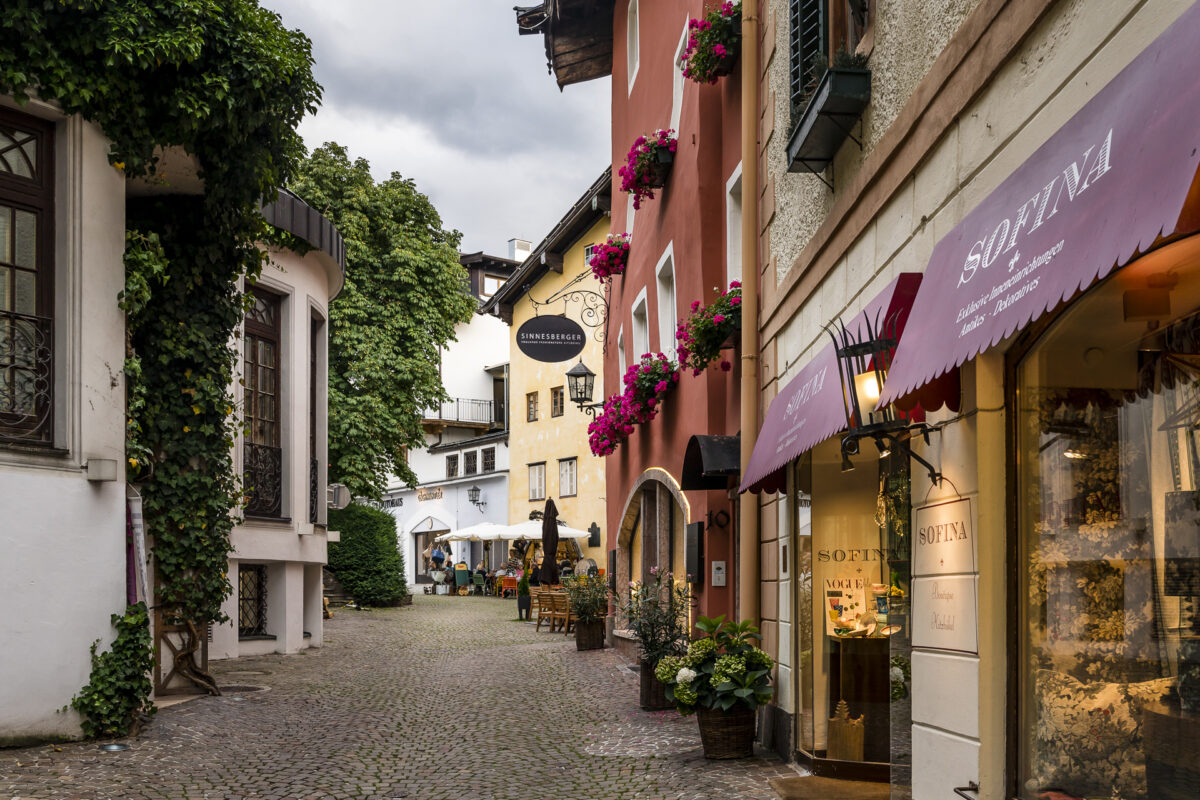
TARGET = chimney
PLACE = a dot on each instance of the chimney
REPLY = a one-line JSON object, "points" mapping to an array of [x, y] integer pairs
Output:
{"points": [[519, 249]]}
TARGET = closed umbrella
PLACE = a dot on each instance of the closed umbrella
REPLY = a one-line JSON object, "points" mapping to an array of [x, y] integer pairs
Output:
{"points": [[550, 544]]}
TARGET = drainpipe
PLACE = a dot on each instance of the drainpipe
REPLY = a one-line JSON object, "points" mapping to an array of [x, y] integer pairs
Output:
{"points": [[748, 547]]}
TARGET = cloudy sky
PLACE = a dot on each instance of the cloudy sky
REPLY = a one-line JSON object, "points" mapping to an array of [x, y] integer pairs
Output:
{"points": [[447, 93]]}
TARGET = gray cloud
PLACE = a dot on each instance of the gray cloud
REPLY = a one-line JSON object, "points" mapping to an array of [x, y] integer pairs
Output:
{"points": [[449, 94]]}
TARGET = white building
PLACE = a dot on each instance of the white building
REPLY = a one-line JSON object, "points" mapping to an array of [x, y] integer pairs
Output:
{"points": [[467, 438], [280, 547], [62, 410]]}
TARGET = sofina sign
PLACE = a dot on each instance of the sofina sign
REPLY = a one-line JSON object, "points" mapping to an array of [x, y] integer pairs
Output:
{"points": [[944, 605], [550, 339]]}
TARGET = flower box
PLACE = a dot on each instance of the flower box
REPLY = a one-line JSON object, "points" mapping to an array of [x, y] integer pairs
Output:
{"points": [[647, 165], [660, 168], [713, 43], [825, 124]]}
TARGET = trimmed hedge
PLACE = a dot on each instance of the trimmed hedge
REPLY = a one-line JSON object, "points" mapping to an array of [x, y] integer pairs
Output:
{"points": [[367, 561]]}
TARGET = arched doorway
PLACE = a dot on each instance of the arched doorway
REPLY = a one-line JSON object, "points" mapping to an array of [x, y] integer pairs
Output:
{"points": [[651, 533]]}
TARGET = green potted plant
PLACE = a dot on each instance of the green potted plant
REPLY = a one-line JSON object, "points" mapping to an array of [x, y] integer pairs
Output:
{"points": [[524, 601], [657, 611], [724, 677], [713, 43], [700, 337], [588, 595]]}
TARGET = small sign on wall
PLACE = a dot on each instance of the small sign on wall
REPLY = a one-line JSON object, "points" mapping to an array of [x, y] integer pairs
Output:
{"points": [[943, 539], [718, 573], [944, 613]]}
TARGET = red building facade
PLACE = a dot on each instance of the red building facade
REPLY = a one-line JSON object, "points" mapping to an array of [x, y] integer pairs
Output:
{"points": [[680, 252]]}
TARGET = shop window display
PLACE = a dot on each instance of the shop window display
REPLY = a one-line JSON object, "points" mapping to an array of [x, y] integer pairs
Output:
{"points": [[1108, 403]]}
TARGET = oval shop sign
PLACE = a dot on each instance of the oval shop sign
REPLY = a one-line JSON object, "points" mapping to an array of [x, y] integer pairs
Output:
{"points": [[550, 339]]}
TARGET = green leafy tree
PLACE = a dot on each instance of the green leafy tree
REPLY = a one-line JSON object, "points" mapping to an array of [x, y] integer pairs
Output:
{"points": [[405, 292], [367, 561]]}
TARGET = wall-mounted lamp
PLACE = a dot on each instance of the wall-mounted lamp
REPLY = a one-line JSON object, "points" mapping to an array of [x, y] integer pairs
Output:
{"points": [[473, 496], [580, 381], [863, 363]]}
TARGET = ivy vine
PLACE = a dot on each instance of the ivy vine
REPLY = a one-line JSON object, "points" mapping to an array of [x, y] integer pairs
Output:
{"points": [[117, 698], [227, 83]]}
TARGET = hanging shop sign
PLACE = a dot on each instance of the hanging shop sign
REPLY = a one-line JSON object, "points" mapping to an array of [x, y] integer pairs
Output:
{"points": [[550, 339], [943, 539], [944, 613]]}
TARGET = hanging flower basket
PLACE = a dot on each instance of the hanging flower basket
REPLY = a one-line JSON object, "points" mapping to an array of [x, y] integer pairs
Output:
{"points": [[645, 384], [610, 257], [713, 43], [647, 165], [701, 336]]}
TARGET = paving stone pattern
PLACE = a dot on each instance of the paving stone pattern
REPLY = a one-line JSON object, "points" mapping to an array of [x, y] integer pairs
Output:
{"points": [[446, 699]]}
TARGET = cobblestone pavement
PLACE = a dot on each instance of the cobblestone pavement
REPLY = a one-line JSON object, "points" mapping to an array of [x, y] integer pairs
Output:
{"points": [[446, 699]]}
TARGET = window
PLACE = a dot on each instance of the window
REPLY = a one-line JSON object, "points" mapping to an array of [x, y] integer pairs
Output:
{"points": [[588, 252], [665, 278], [818, 30], [531, 407], [641, 327], [252, 600], [567, 477], [489, 459], [556, 401], [263, 467], [733, 226], [537, 481], [677, 80], [632, 57], [452, 466], [621, 362], [491, 285], [470, 462], [630, 214], [315, 333], [26, 273], [1106, 493]]}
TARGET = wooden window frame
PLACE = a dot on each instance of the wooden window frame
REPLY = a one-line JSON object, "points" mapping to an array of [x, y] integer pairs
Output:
{"points": [[487, 454], [264, 455], [471, 462], [574, 462], [542, 482], [452, 465], [558, 400], [531, 406], [34, 194]]}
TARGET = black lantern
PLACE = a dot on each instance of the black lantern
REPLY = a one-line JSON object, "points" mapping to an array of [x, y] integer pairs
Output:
{"points": [[863, 363], [580, 381], [473, 496]]}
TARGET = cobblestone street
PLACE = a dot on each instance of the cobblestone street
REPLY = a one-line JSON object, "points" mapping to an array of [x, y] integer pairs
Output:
{"points": [[447, 698]]}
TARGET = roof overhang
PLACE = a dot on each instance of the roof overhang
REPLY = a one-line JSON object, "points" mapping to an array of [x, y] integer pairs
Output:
{"points": [[578, 36], [291, 214]]}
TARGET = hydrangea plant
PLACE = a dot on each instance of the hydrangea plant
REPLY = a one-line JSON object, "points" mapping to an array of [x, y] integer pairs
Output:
{"points": [[720, 670]]}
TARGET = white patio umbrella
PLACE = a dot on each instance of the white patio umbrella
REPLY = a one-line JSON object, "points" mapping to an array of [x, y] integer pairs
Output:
{"points": [[532, 529], [482, 532]]}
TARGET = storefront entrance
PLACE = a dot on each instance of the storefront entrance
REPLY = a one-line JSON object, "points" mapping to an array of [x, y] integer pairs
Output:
{"points": [[852, 638], [1107, 405]]}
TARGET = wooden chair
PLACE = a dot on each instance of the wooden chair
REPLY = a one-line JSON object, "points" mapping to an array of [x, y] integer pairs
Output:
{"points": [[560, 612], [543, 602], [508, 584]]}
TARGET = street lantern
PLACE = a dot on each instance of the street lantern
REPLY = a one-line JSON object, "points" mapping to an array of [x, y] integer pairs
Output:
{"points": [[863, 362], [580, 381], [473, 496]]}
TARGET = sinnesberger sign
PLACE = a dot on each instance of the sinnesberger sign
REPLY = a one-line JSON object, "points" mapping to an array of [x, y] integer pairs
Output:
{"points": [[550, 339]]}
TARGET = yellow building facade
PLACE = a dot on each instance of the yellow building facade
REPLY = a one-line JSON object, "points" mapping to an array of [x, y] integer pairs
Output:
{"points": [[548, 441]]}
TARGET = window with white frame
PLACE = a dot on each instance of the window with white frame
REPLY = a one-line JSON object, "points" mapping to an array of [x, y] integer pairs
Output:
{"points": [[489, 459], [641, 327], [491, 285], [470, 462], [537, 481], [632, 56], [621, 362], [677, 80], [568, 473], [630, 213], [665, 280], [733, 226]]}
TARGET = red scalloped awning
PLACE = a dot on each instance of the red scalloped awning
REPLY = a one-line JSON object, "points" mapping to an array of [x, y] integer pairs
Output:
{"points": [[1115, 181]]}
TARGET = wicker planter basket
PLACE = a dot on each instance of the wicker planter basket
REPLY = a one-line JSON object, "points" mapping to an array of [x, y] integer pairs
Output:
{"points": [[727, 734], [652, 693], [589, 635]]}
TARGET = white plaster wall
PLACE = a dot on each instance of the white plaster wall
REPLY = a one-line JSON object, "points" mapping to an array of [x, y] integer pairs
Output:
{"points": [[482, 342], [62, 539], [292, 544]]}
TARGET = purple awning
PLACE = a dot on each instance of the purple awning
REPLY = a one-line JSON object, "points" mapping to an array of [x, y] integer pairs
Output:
{"points": [[1103, 189], [810, 408]]}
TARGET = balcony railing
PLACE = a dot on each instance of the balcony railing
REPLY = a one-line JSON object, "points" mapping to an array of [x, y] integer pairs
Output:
{"points": [[463, 410], [26, 378], [263, 480]]}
